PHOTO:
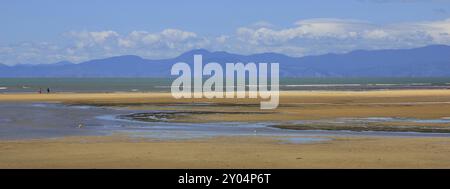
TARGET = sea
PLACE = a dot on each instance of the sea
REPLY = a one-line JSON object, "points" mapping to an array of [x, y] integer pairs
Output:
{"points": [[31, 85]]}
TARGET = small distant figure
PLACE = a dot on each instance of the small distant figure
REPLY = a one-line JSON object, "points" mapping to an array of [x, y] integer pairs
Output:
{"points": [[48, 90], [80, 125], [40, 90]]}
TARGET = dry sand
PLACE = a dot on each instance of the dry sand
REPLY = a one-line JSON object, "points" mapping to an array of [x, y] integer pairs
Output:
{"points": [[234, 152]]}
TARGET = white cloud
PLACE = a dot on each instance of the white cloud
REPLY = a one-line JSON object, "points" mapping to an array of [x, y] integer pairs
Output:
{"points": [[323, 35], [304, 29], [85, 38], [261, 24], [438, 30], [168, 38], [329, 27], [376, 34], [177, 35], [222, 39], [100, 37]]}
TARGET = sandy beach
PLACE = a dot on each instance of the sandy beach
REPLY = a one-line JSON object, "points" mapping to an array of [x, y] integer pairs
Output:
{"points": [[236, 152], [122, 151]]}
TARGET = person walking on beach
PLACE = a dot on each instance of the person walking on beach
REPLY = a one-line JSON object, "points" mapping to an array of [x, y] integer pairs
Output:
{"points": [[48, 90], [40, 90]]}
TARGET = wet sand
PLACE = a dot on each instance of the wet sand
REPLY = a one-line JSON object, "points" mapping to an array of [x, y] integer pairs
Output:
{"points": [[244, 152]]}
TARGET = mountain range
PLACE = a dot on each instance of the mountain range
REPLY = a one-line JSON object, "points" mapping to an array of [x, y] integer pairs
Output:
{"points": [[429, 61]]}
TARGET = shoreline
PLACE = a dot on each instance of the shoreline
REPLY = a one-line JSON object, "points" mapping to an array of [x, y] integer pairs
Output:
{"points": [[294, 106], [285, 96]]}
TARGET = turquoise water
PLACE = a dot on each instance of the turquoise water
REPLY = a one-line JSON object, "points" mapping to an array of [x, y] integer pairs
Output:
{"points": [[163, 84]]}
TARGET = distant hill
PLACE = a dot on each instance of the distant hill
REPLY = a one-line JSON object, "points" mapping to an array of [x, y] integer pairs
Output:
{"points": [[429, 61]]}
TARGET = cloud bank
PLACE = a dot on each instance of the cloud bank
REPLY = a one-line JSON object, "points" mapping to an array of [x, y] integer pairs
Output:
{"points": [[304, 37]]}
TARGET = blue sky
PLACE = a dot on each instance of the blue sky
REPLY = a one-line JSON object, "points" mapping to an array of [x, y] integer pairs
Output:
{"points": [[48, 31]]}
